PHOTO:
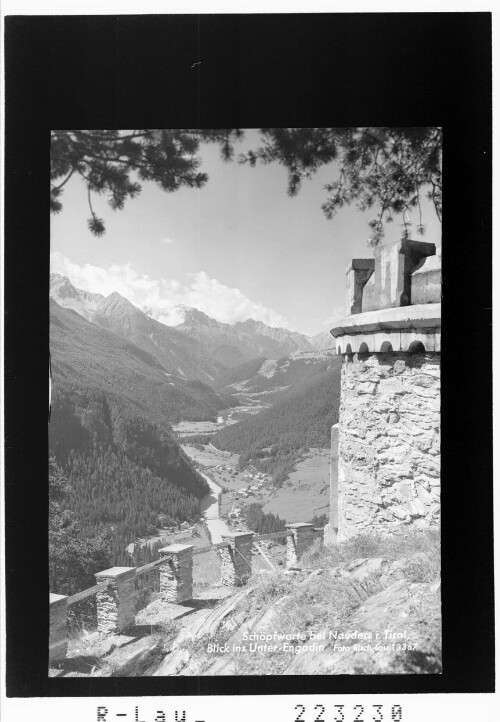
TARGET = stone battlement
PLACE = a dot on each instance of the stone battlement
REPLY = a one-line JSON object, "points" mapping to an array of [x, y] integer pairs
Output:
{"points": [[407, 328], [389, 419], [386, 281], [393, 301]]}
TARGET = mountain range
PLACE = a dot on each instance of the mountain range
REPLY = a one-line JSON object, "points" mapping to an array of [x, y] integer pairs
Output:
{"points": [[112, 406], [242, 341], [85, 355], [121, 378], [200, 347], [66, 295], [188, 372]]}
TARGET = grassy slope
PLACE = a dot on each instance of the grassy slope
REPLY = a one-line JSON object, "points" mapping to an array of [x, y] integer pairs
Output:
{"points": [[242, 372], [286, 374], [364, 584]]}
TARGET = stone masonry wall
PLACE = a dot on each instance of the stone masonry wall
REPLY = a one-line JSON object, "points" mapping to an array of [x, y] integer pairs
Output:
{"points": [[176, 576], [236, 560], [116, 604], [389, 443]]}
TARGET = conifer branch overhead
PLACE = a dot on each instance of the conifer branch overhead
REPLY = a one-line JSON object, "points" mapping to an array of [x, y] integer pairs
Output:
{"points": [[383, 168], [111, 162], [386, 168]]}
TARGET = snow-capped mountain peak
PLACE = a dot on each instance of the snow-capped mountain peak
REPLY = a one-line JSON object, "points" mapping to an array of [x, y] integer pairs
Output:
{"points": [[68, 296]]}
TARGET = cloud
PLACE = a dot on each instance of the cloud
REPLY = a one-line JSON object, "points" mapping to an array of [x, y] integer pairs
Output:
{"points": [[166, 298], [337, 313], [167, 241]]}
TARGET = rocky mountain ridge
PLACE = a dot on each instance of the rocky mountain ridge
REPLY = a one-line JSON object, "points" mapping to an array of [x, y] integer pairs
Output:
{"points": [[86, 355], [225, 344], [67, 295], [177, 353]]}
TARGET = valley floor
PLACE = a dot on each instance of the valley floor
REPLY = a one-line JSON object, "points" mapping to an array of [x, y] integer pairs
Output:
{"points": [[249, 407], [305, 494]]}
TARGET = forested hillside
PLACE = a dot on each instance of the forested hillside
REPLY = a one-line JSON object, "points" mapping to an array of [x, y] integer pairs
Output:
{"points": [[277, 377], [242, 372], [262, 523], [109, 432], [177, 353], [273, 439], [112, 406], [123, 471]]}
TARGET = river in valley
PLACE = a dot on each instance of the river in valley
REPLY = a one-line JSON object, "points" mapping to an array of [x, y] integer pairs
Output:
{"points": [[209, 507]]}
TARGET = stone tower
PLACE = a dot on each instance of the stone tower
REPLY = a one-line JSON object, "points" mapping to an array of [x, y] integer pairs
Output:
{"points": [[389, 421]]}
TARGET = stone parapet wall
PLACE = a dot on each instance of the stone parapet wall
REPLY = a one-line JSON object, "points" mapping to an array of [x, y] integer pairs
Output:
{"points": [[389, 443], [122, 591]]}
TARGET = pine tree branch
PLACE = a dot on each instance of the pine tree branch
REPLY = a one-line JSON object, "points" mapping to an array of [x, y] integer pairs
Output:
{"points": [[56, 188]]}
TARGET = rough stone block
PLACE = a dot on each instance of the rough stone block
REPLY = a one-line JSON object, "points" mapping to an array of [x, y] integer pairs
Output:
{"points": [[116, 605], [416, 508], [400, 512], [358, 273], [394, 264], [366, 387], [386, 439], [176, 575], [391, 386], [399, 367], [236, 559]]}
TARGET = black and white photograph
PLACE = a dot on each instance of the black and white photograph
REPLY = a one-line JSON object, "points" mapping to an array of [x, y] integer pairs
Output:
{"points": [[248, 381], [244, 433]]}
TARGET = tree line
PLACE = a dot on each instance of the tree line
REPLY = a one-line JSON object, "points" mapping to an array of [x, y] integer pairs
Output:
{"points": [[124, 474], [262, 522]]}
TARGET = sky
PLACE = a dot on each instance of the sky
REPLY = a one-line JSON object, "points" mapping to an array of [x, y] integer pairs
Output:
{"points": [[239, 247]]}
